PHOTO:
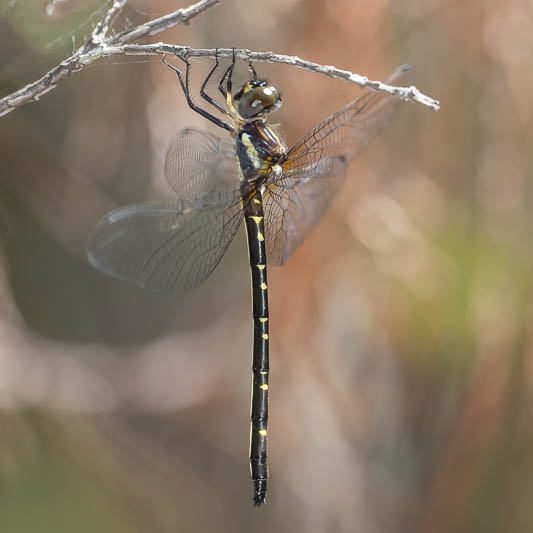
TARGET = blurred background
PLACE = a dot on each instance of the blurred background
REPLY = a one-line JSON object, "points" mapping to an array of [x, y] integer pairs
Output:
{"points": [[401, 331]]}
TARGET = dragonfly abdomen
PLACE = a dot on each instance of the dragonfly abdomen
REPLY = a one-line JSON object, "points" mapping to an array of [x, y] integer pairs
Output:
{"points": [[254, 219]]}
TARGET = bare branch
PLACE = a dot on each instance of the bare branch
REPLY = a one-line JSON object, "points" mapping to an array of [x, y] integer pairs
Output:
{"points": [[411, 94], [94, 49], [102, 28], [181, 16], [100, 45]]}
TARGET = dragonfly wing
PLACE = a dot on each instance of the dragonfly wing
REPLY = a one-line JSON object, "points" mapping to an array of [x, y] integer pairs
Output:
{"points": [[346, 133], [315, 168], [291, 212], [198, 161], [166, 246]]}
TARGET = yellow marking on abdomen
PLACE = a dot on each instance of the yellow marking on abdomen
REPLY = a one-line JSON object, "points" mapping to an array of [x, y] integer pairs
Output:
{"points": [[263, 320], [262, 432], [263, 373], [257, 219], [263, 286], [260, 267], [265, 336], [264, 387], [260, 236]]}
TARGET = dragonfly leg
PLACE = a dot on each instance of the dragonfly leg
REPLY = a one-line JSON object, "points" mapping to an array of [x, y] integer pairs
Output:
{"points": [[252, 70], [204, 95], [229, 79], [227, 74], [185, 88]]}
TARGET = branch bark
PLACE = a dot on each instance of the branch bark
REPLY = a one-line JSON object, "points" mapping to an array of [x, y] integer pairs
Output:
{"points": [[94, 48], [102, 28], [100, 45], [411, 94]]}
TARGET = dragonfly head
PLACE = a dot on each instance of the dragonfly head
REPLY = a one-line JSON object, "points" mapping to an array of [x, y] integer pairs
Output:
{"points": [[256, 98]]}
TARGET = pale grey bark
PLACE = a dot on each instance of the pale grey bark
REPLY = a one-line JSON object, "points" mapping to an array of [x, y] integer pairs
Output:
{"points": [[100, 44]]}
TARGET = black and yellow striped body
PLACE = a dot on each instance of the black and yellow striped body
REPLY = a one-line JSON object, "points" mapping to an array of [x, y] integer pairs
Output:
{"points": [[259, 409], [258, 150]]}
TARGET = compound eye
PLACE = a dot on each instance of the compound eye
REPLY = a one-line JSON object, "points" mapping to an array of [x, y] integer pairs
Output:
{"points": [[258, 100]]}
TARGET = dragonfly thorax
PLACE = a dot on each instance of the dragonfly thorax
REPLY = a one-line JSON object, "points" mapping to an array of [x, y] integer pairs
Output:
{"points": [[258, 148]]}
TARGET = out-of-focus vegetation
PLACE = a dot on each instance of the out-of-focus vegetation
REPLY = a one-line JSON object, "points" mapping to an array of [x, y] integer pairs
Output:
{"points": [[401, 332]]}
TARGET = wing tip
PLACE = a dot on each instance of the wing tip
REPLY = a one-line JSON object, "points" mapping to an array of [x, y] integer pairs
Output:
{"points": [[404, 73]]}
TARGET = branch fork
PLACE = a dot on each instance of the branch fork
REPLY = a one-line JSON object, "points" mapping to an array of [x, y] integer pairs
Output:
{"points": [[101, 44]]}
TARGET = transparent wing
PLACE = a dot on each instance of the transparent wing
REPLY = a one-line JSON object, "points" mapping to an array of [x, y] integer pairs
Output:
{"points": [[167, 246], [292, 211], [198, 161], [315, 168], [345, 134]]}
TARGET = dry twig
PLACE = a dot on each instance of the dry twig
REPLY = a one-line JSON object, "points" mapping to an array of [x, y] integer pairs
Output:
{"points": [[101, 45]]}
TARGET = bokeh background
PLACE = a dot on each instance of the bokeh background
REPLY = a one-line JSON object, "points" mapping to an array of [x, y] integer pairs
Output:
{"points": [[401, 331]]}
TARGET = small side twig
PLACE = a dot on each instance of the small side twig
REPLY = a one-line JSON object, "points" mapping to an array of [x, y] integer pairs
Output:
{"points": [[93, 49], [181, 16], [102, 28], [101, 44]]}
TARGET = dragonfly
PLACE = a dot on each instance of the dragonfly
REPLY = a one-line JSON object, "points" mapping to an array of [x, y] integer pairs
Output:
{"points": [[248, 175]]}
